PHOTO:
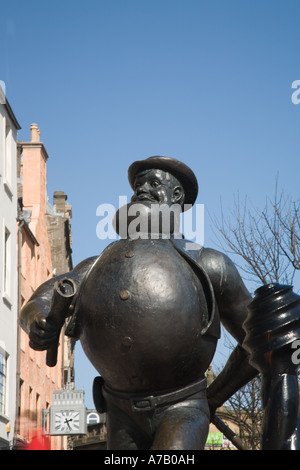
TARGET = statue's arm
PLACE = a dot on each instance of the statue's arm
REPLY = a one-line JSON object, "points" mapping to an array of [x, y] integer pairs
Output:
{"points": [[35, 313], [232, 298]]}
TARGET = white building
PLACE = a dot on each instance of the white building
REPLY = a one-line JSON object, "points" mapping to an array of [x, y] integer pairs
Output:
{"points": [[8, 272]]}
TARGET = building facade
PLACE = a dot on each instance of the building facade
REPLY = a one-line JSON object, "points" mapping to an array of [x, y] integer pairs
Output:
{"points": [[58, 218], [37, 381], [8, 272]]}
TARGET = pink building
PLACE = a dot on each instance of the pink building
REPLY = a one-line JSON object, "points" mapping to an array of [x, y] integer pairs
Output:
{"points": [[37, 381]]}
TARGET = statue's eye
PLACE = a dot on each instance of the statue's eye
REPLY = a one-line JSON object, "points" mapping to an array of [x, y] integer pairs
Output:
{"points": [[155, 184]]}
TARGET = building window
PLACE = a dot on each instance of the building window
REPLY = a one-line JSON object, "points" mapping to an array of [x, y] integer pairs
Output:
{"points": [[3, 364]]}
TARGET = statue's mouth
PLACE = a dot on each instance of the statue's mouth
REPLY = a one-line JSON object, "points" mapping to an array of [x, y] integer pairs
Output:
{"points": [[145, 197]]}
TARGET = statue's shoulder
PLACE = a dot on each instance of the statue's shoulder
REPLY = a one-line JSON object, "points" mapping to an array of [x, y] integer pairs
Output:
{"points": [[188, 248], [221, 270], [208, 258], [214, 259], [85, 264]]}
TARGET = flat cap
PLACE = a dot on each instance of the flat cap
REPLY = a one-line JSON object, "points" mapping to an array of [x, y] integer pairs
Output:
{"points": [[180, 170]]}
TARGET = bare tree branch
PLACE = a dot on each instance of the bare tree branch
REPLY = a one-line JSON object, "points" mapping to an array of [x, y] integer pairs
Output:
{"points": [[268, 240]]}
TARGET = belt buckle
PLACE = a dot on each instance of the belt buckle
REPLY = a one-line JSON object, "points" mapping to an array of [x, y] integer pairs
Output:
{"points": [[144, 404]]}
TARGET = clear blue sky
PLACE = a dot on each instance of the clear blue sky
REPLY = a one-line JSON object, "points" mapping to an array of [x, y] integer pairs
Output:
{"points": [[113, 81]]}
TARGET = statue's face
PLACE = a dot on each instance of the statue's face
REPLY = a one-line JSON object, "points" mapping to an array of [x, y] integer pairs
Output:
{"points": [[157, 186]]}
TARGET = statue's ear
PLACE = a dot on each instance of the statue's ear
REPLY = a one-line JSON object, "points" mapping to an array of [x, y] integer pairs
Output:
{"points": [[178, 195]]}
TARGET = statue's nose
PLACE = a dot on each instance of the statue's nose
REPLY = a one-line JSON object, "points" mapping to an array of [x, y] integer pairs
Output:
{"points": [[142, 188]]}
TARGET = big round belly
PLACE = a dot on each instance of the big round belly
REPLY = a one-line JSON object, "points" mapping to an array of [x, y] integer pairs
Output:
{"points": [[141, 314]]}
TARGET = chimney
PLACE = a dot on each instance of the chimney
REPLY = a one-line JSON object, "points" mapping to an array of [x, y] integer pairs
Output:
{"points": [[59, 200], [34, 178], [35, 133]]}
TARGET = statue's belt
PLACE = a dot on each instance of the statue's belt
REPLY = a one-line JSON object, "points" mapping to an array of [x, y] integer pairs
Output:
{"points": [[140, 402]]}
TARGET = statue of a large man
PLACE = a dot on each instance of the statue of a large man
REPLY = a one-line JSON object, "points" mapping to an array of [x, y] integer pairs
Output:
{"points": [[147, 312]]}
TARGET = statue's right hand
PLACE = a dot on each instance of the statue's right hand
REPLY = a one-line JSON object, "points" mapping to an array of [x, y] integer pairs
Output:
{"points": [[43, 333]]}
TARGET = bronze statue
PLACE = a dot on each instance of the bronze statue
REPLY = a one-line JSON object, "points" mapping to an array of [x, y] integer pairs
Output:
{"points": [[272, 332], [147, 312]]}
